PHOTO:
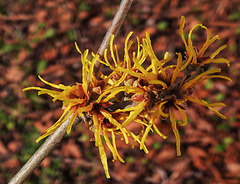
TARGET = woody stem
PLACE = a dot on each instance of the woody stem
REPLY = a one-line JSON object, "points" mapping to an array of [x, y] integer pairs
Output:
{"points": [[57, 136], [113, 29]]}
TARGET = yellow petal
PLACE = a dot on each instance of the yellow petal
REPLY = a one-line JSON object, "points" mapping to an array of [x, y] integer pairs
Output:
{"points": [[190, 34], [158, 132], [84, 71], [137, 139], [120, 80], [175, 131], [166, 55], [202, 102], [115, 147], [134, 74], [74, 115], [149, 126], [160, 110], [103, 158], [126, 48], [92, 78], [163, 84], [148, 47], [105, 134], [98, 142], [207, 43], [139, 67], [192, 82], [128, 109], [190, 58], [181, 30], [177, 69], [78, 48], [60, 120], [217, 51], [107, 62], [111, 49], [53, 128], [144, 137], [85, 108], [138, 49], [217, 113], [31, 88], [57, 86], [113, 92], [114, 122], [44, 135], [151, 123], [184, 116], [117, 55], [139, 108], [218, 60], [194, 55], [213, 76], [75, 101], [70, 112]]}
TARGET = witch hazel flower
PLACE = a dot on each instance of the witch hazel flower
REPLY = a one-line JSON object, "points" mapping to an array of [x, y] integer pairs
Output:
{"points": [[159, 89], [79, 100], [75, 99], [139, 90]]}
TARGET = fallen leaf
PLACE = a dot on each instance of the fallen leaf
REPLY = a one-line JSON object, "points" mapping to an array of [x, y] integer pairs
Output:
{"points": [[14, 74], [11, 163], [3, 149]]}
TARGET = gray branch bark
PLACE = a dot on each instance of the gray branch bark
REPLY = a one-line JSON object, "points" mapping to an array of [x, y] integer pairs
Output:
{"points": [[113, 29], [57, 136]]}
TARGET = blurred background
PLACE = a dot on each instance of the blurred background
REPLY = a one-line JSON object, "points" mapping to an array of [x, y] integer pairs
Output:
{"points": [[37, 38]]}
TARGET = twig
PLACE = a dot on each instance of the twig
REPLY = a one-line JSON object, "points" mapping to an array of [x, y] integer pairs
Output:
{"points": [[113, 29], [41, 153], [57, 136]]}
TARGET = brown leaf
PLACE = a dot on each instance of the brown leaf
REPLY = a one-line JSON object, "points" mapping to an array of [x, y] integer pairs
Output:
{"points": [[196, 152], [150, 30], [14, 74], [40, 15], [96, 21], [167, 153], [14, 146], [50, 54], [66, 49], [11, 163], [71, 149], [42, 127], [46, 162], [3, 149], [234, 168], [22, 56], [57, 70]]}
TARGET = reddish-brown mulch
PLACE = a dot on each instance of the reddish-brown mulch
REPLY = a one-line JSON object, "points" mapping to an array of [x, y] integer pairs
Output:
{"points": [[37, 37]]}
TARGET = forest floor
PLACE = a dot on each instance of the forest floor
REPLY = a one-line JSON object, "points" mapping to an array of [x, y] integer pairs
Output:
{"points": [[37, 38]]}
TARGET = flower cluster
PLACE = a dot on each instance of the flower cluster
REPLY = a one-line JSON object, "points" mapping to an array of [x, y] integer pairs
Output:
{"points": [[139, 90]]}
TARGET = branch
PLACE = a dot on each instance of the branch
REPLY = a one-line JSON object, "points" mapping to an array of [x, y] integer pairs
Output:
{"points": [[57, 136], [41, 153], [113, 29]]}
